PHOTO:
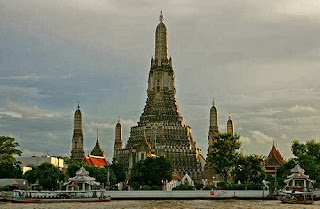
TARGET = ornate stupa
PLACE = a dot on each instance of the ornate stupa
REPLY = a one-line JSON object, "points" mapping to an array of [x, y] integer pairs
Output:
{"points": [[230, 126], [161, 129], [213, 124], [98, 150], [77, 152], [118, 142]]}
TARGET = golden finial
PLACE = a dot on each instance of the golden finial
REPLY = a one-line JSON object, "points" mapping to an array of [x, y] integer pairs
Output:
{"points": [[118, 119], [78, 105], [161, 16], [97, 134], [213, 103], [229, 116]]}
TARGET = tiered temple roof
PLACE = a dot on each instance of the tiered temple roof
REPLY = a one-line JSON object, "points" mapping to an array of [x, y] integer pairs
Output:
{"points": [[274, 160], [97, 161]]}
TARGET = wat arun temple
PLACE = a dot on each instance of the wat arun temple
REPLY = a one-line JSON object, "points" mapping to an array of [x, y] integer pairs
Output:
{"points": [[161, 130]]}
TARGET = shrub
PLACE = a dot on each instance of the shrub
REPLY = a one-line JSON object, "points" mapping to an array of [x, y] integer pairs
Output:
{"points": [[154, 187], [208, 187], [253, 186], [224, 185], [199, 186], [39, 188], [135, 185], [183, 187], [238, 187], [145, 187]]}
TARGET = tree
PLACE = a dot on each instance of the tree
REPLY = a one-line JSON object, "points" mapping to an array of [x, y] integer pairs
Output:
{"points": [[31, 175], [8, 148], [224, 154], [10, 170], [283, 171], [47, 175], [118, 170], [249, 169], [152, 171], [308, 156]]}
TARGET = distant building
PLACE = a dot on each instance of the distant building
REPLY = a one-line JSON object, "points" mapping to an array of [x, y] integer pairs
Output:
{"points": [[77, 151], [273, 161], [28, 162]]}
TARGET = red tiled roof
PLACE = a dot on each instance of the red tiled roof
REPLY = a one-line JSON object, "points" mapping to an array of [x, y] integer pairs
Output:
{"points": [[274, 153], [96, 161]]}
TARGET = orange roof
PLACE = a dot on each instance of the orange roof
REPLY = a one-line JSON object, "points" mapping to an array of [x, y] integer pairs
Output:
{"points": [[274, 157], [96, 161]]}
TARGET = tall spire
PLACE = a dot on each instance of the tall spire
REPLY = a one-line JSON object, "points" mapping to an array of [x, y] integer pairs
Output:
{"points": [[230, 126], [118, 142], [98, 150], [97, 135], [213, 118], [161, 42], [77, 151], [161, 16], [213, 126]]}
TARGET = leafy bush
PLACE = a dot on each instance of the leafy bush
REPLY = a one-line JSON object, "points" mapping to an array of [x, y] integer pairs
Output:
{"points": [[199, 186], [252, 186], [183, 187], [224, 185], [38, 188], [154, 187], [238, 187], [145, 187], [209, 187], [135, 185]]}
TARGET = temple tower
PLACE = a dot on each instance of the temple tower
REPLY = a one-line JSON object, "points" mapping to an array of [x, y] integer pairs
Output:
{"points": [[77, 151], [230, 126], [213, 125], [161, 126], [98, 150], [118, 142]]}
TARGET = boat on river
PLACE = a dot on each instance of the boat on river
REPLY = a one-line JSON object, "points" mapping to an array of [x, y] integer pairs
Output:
{"points": [[298, 189], [296, 197], [23, 196]]}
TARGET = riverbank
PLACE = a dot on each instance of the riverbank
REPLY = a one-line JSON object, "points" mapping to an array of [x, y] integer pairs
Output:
{"points": [[159, 204], [189, 194]]}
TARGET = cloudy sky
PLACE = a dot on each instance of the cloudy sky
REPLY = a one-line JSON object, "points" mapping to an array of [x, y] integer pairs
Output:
{"points": [[258, 59]]}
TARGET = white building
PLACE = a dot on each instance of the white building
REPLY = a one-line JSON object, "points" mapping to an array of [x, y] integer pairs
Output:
{"points": [[28, 162]]}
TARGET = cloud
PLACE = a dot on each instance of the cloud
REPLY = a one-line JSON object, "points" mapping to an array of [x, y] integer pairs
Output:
{"points": [[92, 126], [245, 140], [52, 136], [17, 110], [29, 153], [260, 137], [21, 78], [300, 108]]}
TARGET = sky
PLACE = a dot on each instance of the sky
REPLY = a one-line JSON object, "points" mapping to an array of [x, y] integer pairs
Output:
{"points": [[258, 59]]}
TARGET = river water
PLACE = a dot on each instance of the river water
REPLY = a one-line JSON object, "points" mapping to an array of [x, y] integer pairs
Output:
{"points": [[178, 204]]}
